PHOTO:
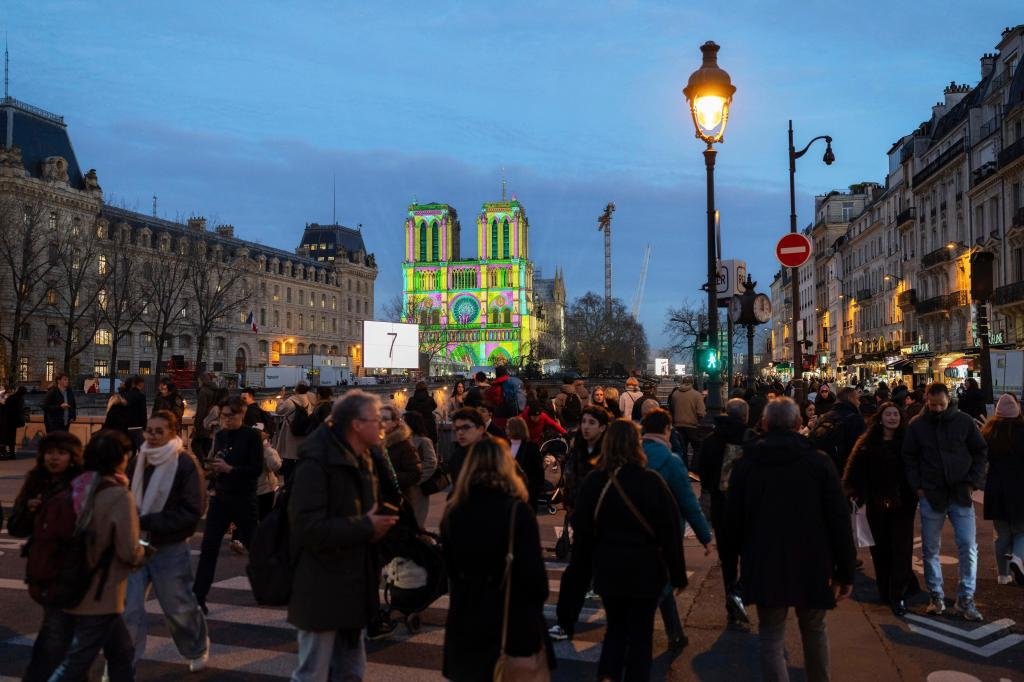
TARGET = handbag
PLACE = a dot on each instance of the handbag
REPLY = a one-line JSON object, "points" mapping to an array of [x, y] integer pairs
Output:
{"points": [[532, 668], [564, 544], [861, 529], [438, 481]]}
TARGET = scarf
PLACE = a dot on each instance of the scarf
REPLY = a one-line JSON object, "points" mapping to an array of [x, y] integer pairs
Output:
{"points": [[164, 460], [83, 485]]}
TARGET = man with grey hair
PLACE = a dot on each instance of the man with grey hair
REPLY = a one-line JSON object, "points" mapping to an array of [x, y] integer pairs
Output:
{"points": [[788, 512], [335, 519], [718, 455]]}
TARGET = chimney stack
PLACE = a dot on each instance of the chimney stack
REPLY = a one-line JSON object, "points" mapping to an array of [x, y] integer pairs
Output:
{"points": [[988, 64], [954, 93], [198, 224], [226, 230]]}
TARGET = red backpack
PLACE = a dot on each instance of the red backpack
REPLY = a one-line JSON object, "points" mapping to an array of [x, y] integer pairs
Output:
{"points": [[58, 572]]}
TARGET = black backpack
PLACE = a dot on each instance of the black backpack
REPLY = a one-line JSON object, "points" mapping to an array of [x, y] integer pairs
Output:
{"points": [[572, 410], [828, 436], [301, 422], [270, 568]]}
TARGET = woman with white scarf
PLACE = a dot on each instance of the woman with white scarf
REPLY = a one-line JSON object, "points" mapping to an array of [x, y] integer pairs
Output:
{"points": [[167, 484]]}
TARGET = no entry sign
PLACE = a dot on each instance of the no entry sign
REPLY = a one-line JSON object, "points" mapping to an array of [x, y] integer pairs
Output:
{"points": [[793, 250]]}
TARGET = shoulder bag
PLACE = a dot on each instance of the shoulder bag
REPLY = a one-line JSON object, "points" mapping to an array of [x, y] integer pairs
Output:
{"points": [[533, 668]]}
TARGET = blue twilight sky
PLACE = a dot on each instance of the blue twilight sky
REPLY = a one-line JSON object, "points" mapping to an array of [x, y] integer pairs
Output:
{"points": [[243, 112]]}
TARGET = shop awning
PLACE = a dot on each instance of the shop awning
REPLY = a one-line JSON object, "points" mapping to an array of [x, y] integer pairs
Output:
{"points": [[783, 365], [962, 362], [900, 364]]}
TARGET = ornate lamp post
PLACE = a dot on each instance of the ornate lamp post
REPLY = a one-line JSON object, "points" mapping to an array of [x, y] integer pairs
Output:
{"points": [[829, 158], [709, 93]]}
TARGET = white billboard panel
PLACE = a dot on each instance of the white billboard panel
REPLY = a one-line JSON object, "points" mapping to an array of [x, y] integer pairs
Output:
{"points": [[390, 345]]}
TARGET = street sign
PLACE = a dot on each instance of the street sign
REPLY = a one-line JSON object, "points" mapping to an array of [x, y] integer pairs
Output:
{"points": [[793, 250]]}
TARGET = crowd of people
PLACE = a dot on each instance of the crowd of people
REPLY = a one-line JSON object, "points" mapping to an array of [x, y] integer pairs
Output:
{"points": [[353, 474]]}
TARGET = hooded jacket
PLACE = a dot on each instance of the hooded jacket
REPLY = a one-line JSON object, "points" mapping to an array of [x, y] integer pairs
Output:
{"points": [[945, 456], [672, 469], [686, 405], [728, 431]]}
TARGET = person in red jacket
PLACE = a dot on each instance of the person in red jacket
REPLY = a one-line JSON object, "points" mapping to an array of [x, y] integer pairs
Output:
{"points": [[536, 420]]}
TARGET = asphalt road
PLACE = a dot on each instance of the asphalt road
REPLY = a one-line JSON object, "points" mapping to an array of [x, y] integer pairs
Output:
{"points": [[867, 642]]}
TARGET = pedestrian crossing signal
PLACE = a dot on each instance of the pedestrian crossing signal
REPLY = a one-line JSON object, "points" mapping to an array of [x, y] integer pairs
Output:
{"points": [[707, 359]]}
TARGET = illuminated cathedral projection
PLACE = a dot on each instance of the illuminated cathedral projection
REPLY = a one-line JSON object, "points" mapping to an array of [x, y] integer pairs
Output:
{"points": [[472, 312]]}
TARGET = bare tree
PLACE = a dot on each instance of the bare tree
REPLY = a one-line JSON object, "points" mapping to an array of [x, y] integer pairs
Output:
{"points": [[603, 338], [164, 288], [683, 326], [433, 343], [392, 309], [123, 305], [29, 253], [218, 291], [79, 280]]}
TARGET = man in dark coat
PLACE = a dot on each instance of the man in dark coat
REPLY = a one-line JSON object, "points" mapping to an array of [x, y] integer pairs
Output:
{"points": [[838, 430], [946, 458], [972, 400], [424, 404], [334, 519], [137, 412], [787, 509], [59, 405], [718, 456]]}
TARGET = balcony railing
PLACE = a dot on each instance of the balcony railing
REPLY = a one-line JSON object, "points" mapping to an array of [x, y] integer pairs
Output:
{"points": [[906, 215], [937, 304], [937, 165], [940, 255], [1011, 153], [863, 294], [984, 171], [1011, 293], [907, 299]]}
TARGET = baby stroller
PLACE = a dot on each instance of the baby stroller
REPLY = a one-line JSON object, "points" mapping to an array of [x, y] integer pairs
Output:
{"points": [[553, 453], [415, 575]]}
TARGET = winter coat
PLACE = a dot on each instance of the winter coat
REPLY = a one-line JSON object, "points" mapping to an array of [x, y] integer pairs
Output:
{"points": [[206, 397], [172, 402], [972, 402], [671, 468], [242, 448], [536, 428], [53, 413], [38, 483], [475, 537], [404, 458], [115, 520], [12, 417], [532, 465], [627, 398], [185, 505], [269, 481], [333, 488], [851, 423], [792, 522], [945, 456], [428, 456], [823, 404], [424, 404], [1004, 485], [875, 474], [728, 431], [577, 466], [686, 406], [287, 443], [626, 560], [137, 415]]}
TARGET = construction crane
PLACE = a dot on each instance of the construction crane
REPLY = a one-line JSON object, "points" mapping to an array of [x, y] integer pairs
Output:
{"points": [[638, 297], [605, 223]]}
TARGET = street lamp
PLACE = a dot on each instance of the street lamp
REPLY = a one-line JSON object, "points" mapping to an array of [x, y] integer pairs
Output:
{"points": [[828, 159], [709, 93]]}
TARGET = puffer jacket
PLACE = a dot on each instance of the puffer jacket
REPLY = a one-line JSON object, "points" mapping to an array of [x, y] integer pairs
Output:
{"points": [[945, 456]]}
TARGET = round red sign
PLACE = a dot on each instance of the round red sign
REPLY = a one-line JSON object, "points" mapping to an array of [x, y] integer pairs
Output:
{"points": [[793, 250]]}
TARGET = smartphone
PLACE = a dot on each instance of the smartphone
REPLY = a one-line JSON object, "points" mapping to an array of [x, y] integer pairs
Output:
{"points": [[144, 543], [388, 508]]}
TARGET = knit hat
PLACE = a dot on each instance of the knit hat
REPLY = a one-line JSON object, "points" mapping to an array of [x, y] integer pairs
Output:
{"points": [[1007, 406]]}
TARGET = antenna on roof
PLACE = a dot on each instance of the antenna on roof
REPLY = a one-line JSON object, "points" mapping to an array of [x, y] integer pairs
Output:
{"points": [[503, 183], [7, 69], [154, 206], [334, 216]]}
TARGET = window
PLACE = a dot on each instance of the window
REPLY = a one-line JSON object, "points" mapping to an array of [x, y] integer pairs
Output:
{"points": [[53, 253], [101, 299], [277, 292], [101, 265], [147, 339], [101, 366], [288, 320], [434, 239], [124, 367], [26, 332], [49, 369], [504, 239], [334, 325], [263, 348], [323, 324], [350, 305], [288, 295], [218, 367], [323, 301], [302, 296], [423, 241], [184, 342], [52, 335], [494, 239], [220, 343], [302, 323], [145, 367], [51, 297], [263, 317], [277, 318], [334, 302], [22, 369]]}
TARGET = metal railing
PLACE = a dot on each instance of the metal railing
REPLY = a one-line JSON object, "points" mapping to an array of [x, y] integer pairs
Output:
{"points": [[906, 299], [906, 215], [937, 165], [1011, 153], [1010, 293], [36, 111], [942, 303], [939, 255], [863, 294]]}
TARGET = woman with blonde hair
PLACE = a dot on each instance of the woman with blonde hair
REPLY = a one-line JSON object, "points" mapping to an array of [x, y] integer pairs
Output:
{"points": [[496, 607], [627, 525]]}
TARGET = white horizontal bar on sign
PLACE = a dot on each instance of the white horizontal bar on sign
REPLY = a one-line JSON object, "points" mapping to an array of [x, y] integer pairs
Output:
{"points": [[793, 249]]}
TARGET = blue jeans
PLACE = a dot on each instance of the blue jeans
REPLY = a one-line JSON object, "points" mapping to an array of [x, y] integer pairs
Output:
{"points": [[169, 571], [1009, 540], [93, 633], [962, 518], [330, 651]]}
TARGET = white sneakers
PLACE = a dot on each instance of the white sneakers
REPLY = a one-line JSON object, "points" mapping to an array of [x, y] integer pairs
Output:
{"points": [[1004, 580], [1017, 569]]}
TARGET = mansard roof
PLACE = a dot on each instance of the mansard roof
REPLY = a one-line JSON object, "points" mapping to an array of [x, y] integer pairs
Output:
{"points": [[40, 135]]}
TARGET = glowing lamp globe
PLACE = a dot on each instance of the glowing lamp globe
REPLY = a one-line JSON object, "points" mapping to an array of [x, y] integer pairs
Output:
{"points": [[709, 93]]}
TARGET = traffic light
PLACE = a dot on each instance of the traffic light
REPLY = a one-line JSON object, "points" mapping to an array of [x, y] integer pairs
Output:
{"points": [[707, 359]]}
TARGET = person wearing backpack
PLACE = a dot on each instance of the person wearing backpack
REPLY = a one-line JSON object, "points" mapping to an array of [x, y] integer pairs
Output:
{"points": [[838, 430], [568, 406], [629, 397], [168, 398], [475, 395], [504, 396], [170, 493], [236, 467], [113, 550], [295, 412], [334, 521], [58, 462]]}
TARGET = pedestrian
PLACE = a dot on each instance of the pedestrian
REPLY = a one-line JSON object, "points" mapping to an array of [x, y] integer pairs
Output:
{"points": [[168, 486], [718, 456], [539, 423], [506, 396], [792, 520], [59, 405], [945, 458], [627, 527], [206, 397], [322, 407], [11, 419], [456, 400], [824, 400], [496, 566], [254, 414], [629, 397], [611, 401], [137, 412], [405, 460], [475, 395], [114, 524], [235, 467], [687, 408], [288, 443], [809, 413], [972, 400], [418, 499], [526, 454], [875, 477], [1004, 487], [469, 427], [838, 429], [656, 428], [169, 399], [335, 522], [568, 405], [268, 483], [58, 462], [584, 457], [492, 427]]}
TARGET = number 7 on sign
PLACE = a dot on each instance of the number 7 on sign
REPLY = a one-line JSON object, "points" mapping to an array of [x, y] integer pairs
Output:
{"points": [[394, 337]]}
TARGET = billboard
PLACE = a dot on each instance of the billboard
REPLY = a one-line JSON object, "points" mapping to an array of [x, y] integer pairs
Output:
{"points": [[661, 367], [390, 345]]}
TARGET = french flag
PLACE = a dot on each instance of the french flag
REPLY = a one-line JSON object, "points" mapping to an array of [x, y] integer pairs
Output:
{"points": [[251, 321]]}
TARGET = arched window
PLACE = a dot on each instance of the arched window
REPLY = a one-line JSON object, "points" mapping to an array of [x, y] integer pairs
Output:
{"points": [[504, 239], [494, 239], [506, 316], [435, 248], [423, 242]]}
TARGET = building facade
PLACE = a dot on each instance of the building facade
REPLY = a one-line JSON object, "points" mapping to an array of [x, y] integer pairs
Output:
{"points": [[312, 300], [472, 312]]}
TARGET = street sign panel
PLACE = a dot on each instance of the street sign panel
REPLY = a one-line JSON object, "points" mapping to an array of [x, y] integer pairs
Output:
{"points": [[793, 250]]}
